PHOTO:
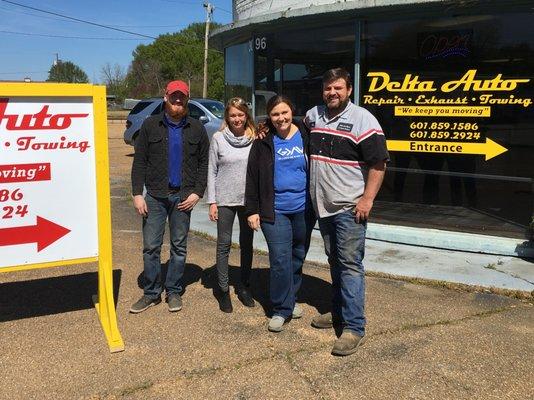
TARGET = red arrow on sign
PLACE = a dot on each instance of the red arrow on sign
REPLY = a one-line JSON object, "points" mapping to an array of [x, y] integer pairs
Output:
{"points": [[44, 233]]}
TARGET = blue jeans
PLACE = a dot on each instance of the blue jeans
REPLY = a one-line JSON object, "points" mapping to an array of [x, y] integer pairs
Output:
{"points": [[159, 210], [344, 242], [288, 240]]}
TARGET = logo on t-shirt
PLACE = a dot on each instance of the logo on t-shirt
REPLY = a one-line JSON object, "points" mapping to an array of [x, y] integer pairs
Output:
{"points": [[287, 152], [343, 126]]}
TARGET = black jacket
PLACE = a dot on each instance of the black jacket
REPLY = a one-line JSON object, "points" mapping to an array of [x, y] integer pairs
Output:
{"points": [[150, 163], [259, 191]]}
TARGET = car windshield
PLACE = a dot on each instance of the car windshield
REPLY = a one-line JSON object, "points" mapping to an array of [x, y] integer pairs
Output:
{"points": [[215, 107]]}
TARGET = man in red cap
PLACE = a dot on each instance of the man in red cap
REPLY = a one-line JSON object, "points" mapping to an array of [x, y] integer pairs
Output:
{"points": [[171, 164]]}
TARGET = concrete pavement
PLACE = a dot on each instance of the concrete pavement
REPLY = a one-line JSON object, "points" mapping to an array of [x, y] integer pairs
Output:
{"points": [[487, 270]]}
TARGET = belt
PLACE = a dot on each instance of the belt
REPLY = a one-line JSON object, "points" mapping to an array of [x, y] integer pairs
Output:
{"points": [[174, 190]]}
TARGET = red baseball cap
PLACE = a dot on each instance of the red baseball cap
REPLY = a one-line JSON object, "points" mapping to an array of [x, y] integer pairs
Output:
{"points": [[177, 86]]}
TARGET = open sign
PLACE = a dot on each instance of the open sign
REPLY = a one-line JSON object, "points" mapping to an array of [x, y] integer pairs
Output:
{"points": [[444, 44]]}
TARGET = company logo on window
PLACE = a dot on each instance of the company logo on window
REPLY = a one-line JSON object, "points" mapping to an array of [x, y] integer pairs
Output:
{"points": [[444, 44]]}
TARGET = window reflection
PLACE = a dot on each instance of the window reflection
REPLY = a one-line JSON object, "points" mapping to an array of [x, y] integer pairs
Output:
{"points": [[293, 62], [238, 72], [458, 191]]}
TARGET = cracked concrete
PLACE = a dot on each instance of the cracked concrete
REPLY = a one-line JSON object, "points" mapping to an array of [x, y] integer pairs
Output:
{"points": [[510, 273]]}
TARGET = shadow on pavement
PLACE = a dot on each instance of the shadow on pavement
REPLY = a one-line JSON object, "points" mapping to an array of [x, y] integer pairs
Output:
{"points": [[47, 296], [192, 274], [313, 291]]}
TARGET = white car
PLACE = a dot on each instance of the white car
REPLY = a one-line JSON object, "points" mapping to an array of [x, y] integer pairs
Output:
{"points": [[209, 112]]}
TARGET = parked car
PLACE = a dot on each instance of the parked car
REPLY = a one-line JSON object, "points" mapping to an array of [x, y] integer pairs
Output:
{"points": [[209, 112]]}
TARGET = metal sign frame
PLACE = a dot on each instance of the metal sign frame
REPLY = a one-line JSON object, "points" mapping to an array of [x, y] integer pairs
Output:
{"points": [[103, 301]]}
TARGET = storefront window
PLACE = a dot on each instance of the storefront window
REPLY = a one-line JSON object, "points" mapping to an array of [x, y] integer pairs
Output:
{"points": [[292, 62], [238, 72], [454, 97]]}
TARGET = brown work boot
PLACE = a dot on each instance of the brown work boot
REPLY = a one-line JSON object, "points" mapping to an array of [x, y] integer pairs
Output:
{"points": [[347, 343], [323, 321]]}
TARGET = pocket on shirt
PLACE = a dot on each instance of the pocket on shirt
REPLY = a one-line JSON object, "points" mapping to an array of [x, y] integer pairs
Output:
{"points": [[155, 144], [192, 146]]}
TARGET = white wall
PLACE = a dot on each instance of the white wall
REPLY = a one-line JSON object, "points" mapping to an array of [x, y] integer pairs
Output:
{"points": [[244, 9]]}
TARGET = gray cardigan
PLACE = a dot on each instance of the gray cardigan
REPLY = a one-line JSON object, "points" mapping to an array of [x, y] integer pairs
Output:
{"points": [[227, 168]]}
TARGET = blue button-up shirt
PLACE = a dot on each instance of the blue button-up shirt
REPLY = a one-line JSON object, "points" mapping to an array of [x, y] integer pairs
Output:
{"points": [[175, 151]]}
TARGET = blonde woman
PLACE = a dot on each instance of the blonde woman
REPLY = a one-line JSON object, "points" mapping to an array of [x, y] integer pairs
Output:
{"points": [[227, 172]]}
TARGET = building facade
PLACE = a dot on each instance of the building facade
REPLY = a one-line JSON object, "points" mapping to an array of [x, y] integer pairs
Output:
{"points": [[452, 84]]}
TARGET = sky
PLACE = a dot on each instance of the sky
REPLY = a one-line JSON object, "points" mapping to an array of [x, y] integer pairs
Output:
{"points": [[24, 53]]}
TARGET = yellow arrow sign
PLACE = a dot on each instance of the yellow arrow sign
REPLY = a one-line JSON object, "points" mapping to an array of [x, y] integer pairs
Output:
{"points": [[490, 149]]}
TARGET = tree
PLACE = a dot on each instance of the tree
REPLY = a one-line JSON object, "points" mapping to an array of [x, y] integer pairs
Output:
{"points": [[178, 55], [66, 71], [144, 78], [114, 77]]}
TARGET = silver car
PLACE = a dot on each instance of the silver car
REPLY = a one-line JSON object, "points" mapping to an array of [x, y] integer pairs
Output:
{"points": [[209, 112]]}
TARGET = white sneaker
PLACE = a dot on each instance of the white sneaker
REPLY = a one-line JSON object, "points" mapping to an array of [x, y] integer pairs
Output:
{"points": [[297, 311], [276, 324]]}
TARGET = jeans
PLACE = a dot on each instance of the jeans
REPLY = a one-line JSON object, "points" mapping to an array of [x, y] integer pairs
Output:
{"points": [[225, 222], [344, 242], [159, 210], [288, 240]]}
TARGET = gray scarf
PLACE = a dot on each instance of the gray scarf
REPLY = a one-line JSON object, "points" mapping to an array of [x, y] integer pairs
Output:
{"points": [[236, 141]]}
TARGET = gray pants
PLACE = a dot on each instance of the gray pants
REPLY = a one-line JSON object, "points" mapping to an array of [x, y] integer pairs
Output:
{"points": [[225, 223]]}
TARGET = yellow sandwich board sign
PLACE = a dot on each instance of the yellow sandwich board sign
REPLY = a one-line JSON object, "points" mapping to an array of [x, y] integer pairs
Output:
{"points": [[54, 184]]}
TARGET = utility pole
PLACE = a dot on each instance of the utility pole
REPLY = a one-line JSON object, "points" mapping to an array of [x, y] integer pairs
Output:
{"points": [[56, 63], [209, 13]]}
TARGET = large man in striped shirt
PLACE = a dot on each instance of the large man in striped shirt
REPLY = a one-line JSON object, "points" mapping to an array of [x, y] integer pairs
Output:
{"points": [[348, 158]]}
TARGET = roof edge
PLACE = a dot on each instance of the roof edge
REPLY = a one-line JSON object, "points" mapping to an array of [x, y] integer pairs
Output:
{"points": [[364, 5]]}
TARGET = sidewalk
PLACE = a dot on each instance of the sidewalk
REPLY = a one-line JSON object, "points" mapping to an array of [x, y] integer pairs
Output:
{"points": [[486, 270], [424, 342]]}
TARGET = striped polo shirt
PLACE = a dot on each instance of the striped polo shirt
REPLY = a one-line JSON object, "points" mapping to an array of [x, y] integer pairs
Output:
{"points": [[341, 151]]}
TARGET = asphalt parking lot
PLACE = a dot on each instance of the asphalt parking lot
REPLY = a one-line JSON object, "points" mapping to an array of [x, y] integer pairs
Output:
{"points": [[425, 341]]}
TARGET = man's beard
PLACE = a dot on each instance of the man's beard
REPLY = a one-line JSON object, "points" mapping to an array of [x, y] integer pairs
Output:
{"points": [[333, 111], [178, 114]]}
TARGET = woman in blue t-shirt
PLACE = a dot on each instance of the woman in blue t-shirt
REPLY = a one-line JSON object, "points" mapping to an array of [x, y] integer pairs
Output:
{"points": [[276, 198]]}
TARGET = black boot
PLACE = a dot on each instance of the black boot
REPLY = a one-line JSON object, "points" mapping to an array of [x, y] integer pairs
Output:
{"points": [[225, 303], [246, 296]]}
